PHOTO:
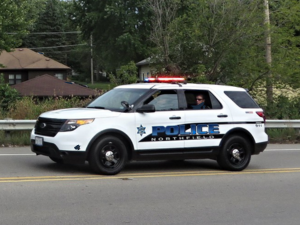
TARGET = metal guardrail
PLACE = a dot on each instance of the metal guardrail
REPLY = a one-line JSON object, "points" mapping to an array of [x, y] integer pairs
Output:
{"points": [[11, 125], [282, 124]]}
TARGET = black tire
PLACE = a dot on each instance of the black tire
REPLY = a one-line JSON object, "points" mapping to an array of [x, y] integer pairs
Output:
{"points": [[177, 161], [108, 155], [57, 160], [235, 154]]}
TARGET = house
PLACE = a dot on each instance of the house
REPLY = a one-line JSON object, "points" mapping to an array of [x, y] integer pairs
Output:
{"points": [[50, 86], [144, 68], [23, 64]]}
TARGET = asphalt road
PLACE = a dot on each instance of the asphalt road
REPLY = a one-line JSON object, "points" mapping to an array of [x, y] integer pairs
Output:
{"points": [[34, 190]]}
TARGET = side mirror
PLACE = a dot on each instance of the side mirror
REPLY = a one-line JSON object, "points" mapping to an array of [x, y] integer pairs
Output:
{"points": [[146, 108]]}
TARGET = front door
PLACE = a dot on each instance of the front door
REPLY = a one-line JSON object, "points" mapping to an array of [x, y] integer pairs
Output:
{"points": [[160, 129]]}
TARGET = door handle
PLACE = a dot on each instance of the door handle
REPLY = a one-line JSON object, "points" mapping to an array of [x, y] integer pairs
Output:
{"points": [[222, 115], [175, 118]]}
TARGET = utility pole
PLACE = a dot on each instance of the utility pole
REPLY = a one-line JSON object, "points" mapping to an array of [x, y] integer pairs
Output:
{"points": [[92, 66], [269, 85]]}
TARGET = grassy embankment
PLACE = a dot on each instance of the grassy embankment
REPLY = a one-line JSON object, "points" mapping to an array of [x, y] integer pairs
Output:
{"points": [[29, 109]]}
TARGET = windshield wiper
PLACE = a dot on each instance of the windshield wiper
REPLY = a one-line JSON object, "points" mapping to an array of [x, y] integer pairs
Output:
{"points": [[96, 107]]}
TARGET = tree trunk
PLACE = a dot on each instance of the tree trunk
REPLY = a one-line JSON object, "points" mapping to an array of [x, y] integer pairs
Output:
{"points": [[269, 82]]}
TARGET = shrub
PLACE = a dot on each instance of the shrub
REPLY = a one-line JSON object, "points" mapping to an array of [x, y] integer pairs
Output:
{"points": [[125, 75], [8, 95], [31, 108], [283, 108]]}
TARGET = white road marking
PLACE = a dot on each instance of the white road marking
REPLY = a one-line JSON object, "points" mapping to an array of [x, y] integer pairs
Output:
{"points": [[276, 150], [15, 154]]}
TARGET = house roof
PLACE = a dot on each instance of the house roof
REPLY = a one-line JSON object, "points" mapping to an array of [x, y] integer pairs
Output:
{"points": [[143, 62], [47, 85], [24, 58]]}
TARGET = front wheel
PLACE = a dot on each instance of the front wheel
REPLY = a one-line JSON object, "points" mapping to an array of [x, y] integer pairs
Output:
{"points": [[235, 154], [108, 156], [57, 160]]}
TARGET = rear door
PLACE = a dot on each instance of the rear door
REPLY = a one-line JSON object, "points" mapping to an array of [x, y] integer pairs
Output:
{"points": [[206, 127]]}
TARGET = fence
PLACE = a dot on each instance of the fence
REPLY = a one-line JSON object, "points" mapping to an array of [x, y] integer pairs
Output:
{"points": [[12, 125], [282, 124]]}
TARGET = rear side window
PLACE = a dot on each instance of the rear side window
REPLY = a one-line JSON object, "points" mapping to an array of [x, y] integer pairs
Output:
{"points": [[242, 99], [210, 101]]}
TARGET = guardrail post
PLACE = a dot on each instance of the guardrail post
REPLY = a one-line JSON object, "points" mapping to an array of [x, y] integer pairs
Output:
{"points": [[7, 134]]}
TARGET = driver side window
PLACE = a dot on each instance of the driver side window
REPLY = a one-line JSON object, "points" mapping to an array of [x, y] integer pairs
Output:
{"points": [[164, 100]]}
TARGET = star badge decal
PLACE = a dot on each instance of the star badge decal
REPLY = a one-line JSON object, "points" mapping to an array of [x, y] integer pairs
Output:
{"points": [[141, 130]]}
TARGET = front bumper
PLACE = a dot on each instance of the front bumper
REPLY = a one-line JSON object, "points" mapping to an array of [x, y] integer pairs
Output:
{"points": [[51, 150]]}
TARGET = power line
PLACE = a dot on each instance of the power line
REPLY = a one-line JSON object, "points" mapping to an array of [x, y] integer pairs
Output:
{"points": [[58, 52], [62, 46], [68, 32], [41, 33]]}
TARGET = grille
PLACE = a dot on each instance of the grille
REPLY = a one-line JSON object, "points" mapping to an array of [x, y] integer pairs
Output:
{"points": [[48, 127]]}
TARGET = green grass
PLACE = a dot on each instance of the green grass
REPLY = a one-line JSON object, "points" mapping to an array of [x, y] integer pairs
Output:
{"points": [[19, 138], [100, 85], [283, 135]]}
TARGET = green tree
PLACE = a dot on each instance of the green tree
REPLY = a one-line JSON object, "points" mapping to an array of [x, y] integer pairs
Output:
{"points": [[73, 50], [164, 13], [224, 41], [13, 23], [214, 38], [120, 29], [285, 20], [50, 28], [38, 6]]}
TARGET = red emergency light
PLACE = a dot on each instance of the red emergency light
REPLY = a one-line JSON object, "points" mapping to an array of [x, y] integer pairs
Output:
{"points": [[165, 79]]}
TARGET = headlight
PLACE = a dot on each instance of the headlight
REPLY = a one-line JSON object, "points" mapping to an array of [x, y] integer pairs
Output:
{"points": [[71, 125]]}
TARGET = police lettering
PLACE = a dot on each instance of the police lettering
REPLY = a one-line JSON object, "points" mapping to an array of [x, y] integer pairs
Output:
{"points": [[180, 138], [180, 130]]}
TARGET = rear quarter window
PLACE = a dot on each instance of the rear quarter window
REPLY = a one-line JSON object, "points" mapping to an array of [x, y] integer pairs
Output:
{"points": [[242, 99]]}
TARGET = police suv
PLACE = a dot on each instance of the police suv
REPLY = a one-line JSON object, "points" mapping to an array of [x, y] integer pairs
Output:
{"points": [[151, 121]]}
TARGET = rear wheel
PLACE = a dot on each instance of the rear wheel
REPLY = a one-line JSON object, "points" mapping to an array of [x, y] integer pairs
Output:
{"points": [[108, 156], [235, 154]]}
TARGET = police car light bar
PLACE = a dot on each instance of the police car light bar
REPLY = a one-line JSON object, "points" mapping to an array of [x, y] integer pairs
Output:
{"points": [[164, 79]]}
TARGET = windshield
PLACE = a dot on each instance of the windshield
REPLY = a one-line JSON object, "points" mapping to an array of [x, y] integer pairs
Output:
{"points": [[112, 100]]}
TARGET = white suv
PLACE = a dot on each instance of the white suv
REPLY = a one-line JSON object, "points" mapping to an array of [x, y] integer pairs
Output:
{"points": [[151, 121]]}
